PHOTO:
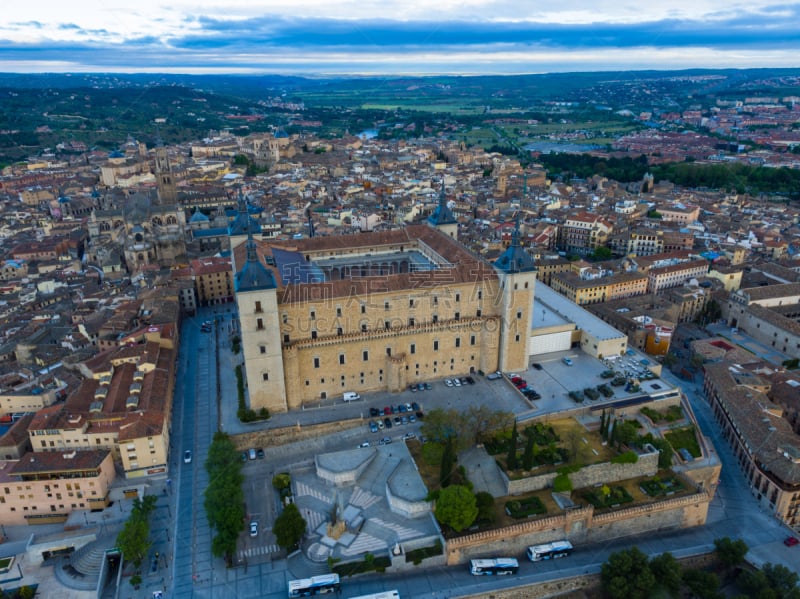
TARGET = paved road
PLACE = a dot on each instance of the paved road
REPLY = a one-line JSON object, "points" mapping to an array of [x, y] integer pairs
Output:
{"points": [[733, 512]]}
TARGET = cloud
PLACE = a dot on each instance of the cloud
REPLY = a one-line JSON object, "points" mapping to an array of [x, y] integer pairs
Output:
{"points": [[172, 41]]}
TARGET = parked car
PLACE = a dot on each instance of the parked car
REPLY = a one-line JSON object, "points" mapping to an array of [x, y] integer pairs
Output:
{"points": [[374, 412], [456, 382], [420, 386], [397, 421], [567, 361], [420, 415], [790, 541], [260, 453], [412, 418], [537, 366], [404, 420], [412, 388], [387, 422], [364, 444], [380, 424], [373, 427], [187, 457], [470, 380], [448, 382], [409, 407], [401, 408], [385, 441], [408, 436], [493, 376], [414, 406], [387, 410], [428, 386], [253, 528]]}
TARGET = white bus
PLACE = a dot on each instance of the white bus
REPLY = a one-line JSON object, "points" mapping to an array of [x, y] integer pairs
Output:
{"points": [[381, 595], [552, 550], [316, 585], [493, 567]]}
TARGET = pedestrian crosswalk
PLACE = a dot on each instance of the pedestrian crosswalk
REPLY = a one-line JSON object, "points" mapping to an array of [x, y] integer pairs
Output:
{"points": [[256, 551]]}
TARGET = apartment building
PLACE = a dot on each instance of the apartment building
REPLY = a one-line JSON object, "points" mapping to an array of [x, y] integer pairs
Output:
{"points": [[584, 291], [766, 447], [45, 488], [674, 275]]}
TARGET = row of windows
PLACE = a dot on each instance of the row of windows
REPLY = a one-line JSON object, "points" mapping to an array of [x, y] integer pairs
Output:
{"points": [[412, 349]]}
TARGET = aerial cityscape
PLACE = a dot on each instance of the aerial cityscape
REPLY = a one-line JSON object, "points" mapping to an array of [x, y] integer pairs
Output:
{"points": [[391, 300]]}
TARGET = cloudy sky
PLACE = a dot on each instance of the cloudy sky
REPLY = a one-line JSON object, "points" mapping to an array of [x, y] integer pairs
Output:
{"points": [[394, 36]]}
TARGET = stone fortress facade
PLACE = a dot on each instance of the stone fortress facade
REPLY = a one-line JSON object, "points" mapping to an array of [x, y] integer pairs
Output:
{"points": [[376, 311]]}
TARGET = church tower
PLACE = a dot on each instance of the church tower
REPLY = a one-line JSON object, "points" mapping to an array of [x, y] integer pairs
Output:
{"points": [[443, 218], [165, 179], [517, 272]]}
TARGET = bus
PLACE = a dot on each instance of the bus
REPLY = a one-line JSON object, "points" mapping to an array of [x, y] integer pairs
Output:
{"points": [[381, 595], [552, 550], [316, 585], [497, 566]]}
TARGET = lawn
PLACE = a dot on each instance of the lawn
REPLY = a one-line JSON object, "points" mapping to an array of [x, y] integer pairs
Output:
{"points": [[684, 438]]}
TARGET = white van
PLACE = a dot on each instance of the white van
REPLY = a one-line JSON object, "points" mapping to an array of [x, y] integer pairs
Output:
{"points": [[351, 396]]}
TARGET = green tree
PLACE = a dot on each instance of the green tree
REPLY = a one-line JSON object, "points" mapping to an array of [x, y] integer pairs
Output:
{"points": [[289, 527], [530, 452], [667, 572], [133, 540], [627, 575], [730, 552], [704, 585], [625, 432], [281, 481], [511, 458], [26, 592], [448, 462], [485, 503], [782, 580], [481, 421], [224, 498], [439, 424], [456, 507]]}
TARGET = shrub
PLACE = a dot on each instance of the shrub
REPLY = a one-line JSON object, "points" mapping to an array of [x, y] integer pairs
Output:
{"points": [[416, 556], [522, 508], [562, 483], [629, 457]]}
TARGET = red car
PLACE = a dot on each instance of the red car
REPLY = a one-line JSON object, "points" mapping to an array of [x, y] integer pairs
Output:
{"points": [[790, 541], [387, 410]]}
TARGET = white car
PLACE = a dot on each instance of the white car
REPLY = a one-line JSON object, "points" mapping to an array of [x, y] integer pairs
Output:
{"points": [[253, 528], [187, 457], [408, 436], [448, 382], [456, 382], [364, 444]]}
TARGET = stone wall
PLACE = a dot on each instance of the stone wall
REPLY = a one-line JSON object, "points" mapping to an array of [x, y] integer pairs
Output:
{"points": [[291, 434], [603, 473], [581, 526]]}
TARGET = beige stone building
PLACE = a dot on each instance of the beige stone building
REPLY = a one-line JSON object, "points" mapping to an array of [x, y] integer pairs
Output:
{"points": [[377, 311], [44, 488]]}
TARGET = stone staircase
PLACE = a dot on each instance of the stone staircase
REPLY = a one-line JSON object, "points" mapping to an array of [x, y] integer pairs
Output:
{"points": [[81, 569]]}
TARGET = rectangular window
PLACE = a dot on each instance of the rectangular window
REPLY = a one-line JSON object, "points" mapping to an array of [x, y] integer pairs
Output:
{"points": [[411, 303], [365, 356], [338, 311], [411, 322], [386, 306], [519, 314], [363, 328], [435, 318], [313, 315], [313, 334], [413, 348], [316, 362], [457, 315], [339, 331], [458, 341], [262, 349], [388, 351], [363, 308], [286, 338], [436, 345], [387, 325], [480, 294], [260, 324], [472, 339], [341, 358], [458, 297], [258, 307], [478, 313], [265, 376]]}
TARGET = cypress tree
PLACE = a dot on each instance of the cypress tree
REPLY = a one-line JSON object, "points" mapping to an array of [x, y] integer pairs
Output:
{"points": [[527, 459], [511, 460], [448, 460]]}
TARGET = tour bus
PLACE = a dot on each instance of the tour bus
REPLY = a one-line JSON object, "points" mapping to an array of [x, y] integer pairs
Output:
{"points": [[552, 550], [381, 595], [497, 566], [316, 585]]}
